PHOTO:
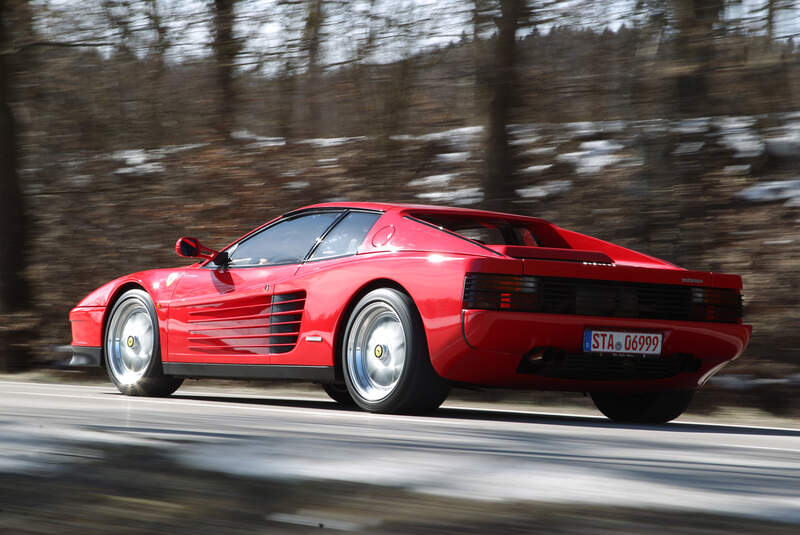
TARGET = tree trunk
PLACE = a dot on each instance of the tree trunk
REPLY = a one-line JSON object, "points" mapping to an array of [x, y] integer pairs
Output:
{"points": [[498, 187], [14, 291], [13, 227], [695, 52], [157, 118], [225, 50], [286, 102], [311, 42]]}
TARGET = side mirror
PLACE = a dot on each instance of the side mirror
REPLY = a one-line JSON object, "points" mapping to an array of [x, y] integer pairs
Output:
{"points": [[192, 248]]}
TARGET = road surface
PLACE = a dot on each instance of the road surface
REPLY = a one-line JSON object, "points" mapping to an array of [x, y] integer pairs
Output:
{"points": [[470, 453]]}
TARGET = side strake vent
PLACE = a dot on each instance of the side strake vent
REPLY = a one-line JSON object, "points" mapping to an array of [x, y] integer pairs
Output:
{"points": [[588, 297], [257, 327], [286, 314]]}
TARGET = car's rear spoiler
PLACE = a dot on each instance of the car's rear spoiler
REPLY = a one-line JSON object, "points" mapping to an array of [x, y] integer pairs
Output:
{"points": [[550, 253]]}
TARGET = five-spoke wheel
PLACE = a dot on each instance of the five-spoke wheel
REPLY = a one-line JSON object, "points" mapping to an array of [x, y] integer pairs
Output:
{"points": [[132, 347], [385, 356]]}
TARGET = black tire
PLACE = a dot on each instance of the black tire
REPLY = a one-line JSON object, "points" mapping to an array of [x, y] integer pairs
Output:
{"points": [[415, 388], [338, 392], [132, 348], [643, 407]]}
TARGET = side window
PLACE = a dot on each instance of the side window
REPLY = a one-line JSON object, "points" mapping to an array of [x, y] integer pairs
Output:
{"points": [[526, 237], [286, 242], [346, 236]]}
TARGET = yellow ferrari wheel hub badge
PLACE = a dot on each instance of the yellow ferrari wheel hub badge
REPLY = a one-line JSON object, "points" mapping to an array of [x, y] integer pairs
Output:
{"points": [[379, 351], [130, 341]]}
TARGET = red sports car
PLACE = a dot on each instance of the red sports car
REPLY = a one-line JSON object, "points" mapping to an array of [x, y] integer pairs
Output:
{"points": [[388, 305]]}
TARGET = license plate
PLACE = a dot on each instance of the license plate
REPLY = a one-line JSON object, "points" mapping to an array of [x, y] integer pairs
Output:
{"points": [[595, 341]]}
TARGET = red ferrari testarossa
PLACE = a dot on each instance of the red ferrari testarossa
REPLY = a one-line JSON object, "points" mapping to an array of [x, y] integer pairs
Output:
{"points": [[388, 305]]}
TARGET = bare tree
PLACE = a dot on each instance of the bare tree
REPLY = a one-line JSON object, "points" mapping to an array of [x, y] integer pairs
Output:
{"points": [[768, 12], [226, 47], [13, 224], [14, 288], [158, 56], [499, 166], [286, 91], [695, 20], [310, 46]]}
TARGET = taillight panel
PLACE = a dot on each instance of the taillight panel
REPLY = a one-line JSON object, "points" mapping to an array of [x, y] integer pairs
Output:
{"points": [[490, 291]]}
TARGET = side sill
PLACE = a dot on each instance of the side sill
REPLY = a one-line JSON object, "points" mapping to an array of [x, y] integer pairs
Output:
{"points": [[324, 374]]}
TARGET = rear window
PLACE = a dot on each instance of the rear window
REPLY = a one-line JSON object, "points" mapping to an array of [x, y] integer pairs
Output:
{"points": [[485, 230]]}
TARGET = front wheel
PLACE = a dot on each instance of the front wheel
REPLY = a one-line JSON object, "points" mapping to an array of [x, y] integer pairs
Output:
{"points": [[385, 357], [339, 393], [133, 348], [643, 407]]}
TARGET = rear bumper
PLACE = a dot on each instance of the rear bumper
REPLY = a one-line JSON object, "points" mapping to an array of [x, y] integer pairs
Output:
{"points": [[497, 343]]}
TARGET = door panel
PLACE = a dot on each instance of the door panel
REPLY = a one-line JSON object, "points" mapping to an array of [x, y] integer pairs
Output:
{"points": [[227, 316]]}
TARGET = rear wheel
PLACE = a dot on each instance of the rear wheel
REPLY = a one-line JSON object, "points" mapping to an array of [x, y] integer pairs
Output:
{"points": [[385, 357], [643, 407], [133, 348]]}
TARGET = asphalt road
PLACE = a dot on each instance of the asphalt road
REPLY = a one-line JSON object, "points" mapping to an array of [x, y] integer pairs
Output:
{"points": [[473, 453]]}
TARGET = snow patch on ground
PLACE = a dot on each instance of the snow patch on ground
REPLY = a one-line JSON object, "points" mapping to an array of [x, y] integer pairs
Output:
{"points": [[737, 169], [775, 190], [452, 157], [461, 197], [689, 147], [456, 136], [535, 169], [141, 169], [786, 144], [540, 151], [297, 184], [173, 149], [543, 191], [735, 124], [434, 180], [324, 142], [530, 140], [584, 129], [141, 161], [258, 142], [698, 125], [589, 162], [135, 157], [601, 145], [744, 144], [594, 156]]}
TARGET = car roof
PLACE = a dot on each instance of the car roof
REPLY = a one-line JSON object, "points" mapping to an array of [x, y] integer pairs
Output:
{"points": [[419, 208]]}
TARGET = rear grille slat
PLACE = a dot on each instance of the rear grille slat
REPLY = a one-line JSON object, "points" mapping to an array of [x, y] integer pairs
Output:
{"points": [[587, 297]]}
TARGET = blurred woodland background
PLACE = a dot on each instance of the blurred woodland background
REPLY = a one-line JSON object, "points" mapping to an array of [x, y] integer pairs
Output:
{"points": [[669, 126]]}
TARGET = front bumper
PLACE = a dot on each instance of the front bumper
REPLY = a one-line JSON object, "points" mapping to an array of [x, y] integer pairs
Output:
{"points": [[81, 356]]}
